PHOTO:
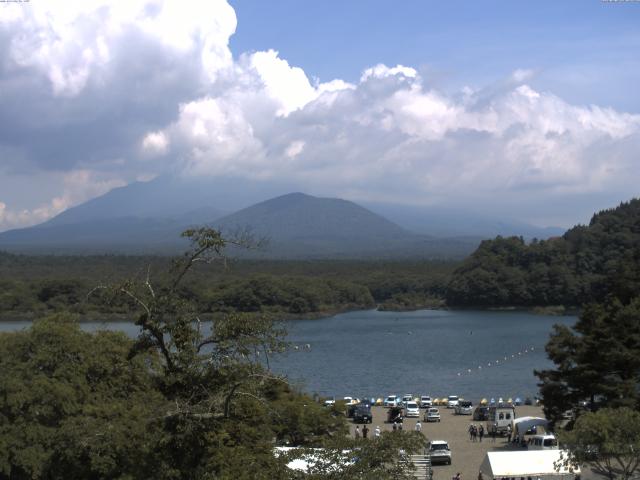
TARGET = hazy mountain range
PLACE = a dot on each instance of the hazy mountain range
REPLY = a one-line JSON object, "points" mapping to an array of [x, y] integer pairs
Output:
{"points": [[149, 216]]}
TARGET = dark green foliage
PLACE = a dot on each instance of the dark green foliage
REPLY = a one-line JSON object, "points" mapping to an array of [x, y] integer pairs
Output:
{"points": [[73, 406], [609, 439], [35, 285], [597, 361], [584, 265], [387, 457], [179, 402]]}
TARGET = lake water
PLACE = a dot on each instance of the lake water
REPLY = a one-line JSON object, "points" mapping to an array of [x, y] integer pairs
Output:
{"points": [[435, 352]]}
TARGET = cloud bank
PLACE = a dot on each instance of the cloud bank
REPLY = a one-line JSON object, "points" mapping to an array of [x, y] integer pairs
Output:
{"points": [[97, 94]]}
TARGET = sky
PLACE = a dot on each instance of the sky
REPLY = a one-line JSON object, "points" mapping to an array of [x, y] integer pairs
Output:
{"points": [[529, 110]]}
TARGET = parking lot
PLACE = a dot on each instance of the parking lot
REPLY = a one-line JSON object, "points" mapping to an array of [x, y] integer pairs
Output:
{"points": [[466, 455]]}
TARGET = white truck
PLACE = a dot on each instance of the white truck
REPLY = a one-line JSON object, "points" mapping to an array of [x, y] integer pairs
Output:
{"points": [[499, 419]]}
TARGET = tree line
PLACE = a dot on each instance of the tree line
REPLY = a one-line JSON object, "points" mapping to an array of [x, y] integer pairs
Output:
{"points": [[178, 402], [43, 285], [588, 263]]}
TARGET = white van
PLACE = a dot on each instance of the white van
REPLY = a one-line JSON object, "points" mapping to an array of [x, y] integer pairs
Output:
{"points": [[542, 442], [499, 419], [452, 401]]}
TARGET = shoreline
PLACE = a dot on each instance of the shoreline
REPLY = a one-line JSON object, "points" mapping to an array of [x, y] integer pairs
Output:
{"points": [[552, 310]]}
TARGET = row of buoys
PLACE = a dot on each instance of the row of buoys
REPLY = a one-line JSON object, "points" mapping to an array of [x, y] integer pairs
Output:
{"points": [[306, 346], [497, 362]]}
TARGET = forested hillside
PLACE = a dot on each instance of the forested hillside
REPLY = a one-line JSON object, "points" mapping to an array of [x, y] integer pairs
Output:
{"points": [[35, 285], [586, 264]]}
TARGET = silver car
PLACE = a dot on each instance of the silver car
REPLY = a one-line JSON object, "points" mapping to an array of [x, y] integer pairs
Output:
{"points": [[439, 452], [432, 415]]}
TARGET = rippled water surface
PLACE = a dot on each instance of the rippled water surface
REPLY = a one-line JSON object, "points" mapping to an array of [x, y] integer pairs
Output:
{"points": [[371, 353], [425, 352]]}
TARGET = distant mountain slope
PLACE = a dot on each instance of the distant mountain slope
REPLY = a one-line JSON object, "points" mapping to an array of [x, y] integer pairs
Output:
{"points": [[442, 221], [169, 197], [297, 226], [112, 235], [299, 216]]}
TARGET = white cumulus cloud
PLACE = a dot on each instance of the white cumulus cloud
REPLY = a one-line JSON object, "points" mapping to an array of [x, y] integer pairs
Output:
{"points": [[86, 82]]}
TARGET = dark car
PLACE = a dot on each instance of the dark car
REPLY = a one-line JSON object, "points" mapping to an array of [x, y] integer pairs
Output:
{"points": [[481, 413], [362, 414], [395, 415]]}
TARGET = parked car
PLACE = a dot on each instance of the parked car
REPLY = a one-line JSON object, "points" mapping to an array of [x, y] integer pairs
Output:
{"points": [[528, 401], [391, 401], [432, 415], [481, 413], [464, 407], [452, 401], [543, 442], [439, 452], [411, 409], [395, 415], [330, 402], [425, 401], [362, 414], [407, 397]]}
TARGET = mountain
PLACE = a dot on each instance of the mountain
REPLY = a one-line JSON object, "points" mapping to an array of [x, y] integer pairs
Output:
{"points": [[299, 225], [455, 222], [296, 226], [147, 217]]}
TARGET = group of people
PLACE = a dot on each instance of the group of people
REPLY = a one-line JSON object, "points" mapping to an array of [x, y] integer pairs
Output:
{"points": [[476, 432], [365, 432]]}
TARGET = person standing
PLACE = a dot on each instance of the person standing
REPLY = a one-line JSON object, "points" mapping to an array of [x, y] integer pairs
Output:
{"points": [[357, 432], [365, 432], [418, 426], [481, 432], [376, 432]]}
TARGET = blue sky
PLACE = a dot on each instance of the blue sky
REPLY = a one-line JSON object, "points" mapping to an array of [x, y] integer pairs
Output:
{"points": [[522, 109], [586, 51]]}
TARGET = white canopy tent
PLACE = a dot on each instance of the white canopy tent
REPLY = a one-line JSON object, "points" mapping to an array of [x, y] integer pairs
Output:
{"points": [[521, 425], [527, 465]]}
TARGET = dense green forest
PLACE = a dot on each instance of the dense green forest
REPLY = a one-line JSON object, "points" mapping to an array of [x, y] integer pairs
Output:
{"points": [[34, 285], [179, 402], [584, 265]]}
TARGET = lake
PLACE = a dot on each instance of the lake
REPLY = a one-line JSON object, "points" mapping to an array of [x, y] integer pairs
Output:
{"points": [[428, 352]]}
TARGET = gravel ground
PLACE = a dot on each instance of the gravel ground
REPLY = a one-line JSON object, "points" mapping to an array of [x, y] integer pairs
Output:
{"points": [[466, 455]]}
